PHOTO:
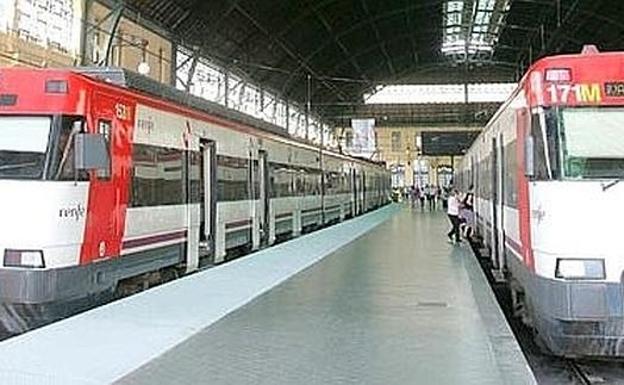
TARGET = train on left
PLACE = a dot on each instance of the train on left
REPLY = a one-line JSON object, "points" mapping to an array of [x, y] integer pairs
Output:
{"points": [[110, 180]]}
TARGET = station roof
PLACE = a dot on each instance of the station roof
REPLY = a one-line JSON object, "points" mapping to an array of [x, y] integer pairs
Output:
{"points": [[349, 46]]}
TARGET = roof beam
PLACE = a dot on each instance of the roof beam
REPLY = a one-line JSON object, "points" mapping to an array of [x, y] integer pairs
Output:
{"points": [[528, 48], [408, 22], [405, 35], [380, 41], [424, 4], [288, 51], [340, 44]]}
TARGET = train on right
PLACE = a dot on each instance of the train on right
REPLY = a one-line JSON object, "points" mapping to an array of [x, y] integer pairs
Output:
{"points": [[549, 204]]}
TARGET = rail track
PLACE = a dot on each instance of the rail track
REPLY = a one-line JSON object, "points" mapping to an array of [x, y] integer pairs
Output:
{"points": [[578, 373]]}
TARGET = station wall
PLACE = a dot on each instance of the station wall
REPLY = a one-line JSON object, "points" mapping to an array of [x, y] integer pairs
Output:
{"points": [[399, 148], [31, 38], [132, 45]]}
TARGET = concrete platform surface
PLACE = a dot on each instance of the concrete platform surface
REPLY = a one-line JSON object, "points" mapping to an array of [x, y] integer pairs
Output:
{"points": [[103, 345], [398, 306]]}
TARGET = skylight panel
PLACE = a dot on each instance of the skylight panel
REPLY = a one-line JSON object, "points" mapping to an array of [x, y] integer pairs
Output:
{"points": [[486, 5], [440, 93], [477, 25], [454, 6], [454, 19]]}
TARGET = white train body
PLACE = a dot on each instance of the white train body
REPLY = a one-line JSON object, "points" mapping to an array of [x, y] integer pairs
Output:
{"points": [[546, 173], [104, 183]]}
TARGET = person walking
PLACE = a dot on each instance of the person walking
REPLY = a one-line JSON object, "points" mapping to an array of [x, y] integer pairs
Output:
{"points": [[430, 196], [453, 214], [438, 195], [413, 196], [421, 197]]}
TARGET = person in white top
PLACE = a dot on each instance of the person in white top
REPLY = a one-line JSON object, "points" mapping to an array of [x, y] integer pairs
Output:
{"points": [[453, 214]]}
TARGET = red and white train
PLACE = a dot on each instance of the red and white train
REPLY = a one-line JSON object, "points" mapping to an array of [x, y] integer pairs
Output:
{"points": [[546, 172], [106, 176]]}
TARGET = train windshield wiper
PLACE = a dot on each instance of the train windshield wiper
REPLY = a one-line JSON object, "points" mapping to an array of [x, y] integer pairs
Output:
{"points": [[606, 186]]}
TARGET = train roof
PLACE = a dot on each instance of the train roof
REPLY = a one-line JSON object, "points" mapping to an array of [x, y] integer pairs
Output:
{"points": [[590, 60], [133, 81]]}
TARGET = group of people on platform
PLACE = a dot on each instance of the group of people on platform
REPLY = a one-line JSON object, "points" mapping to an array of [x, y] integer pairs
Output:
{"points": [[429, 194]]}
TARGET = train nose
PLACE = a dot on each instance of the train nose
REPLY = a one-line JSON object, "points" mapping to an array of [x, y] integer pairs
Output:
{"points": [[41, 218]]}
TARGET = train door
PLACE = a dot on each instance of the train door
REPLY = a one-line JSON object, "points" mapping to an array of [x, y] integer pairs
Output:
{"points": [[208, 201], [494, 208], [500, 207], [265, 194]]}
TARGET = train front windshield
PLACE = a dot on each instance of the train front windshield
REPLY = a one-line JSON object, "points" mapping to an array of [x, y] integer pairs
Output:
{"points": [[23, 146], [591, 143]]}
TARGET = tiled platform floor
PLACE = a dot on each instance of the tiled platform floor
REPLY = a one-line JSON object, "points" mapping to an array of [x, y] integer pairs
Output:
{"points": [[397, 306]]}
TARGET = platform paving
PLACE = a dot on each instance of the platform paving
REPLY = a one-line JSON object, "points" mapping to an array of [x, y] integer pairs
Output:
{"points": [[107, 343], [397, 306]]}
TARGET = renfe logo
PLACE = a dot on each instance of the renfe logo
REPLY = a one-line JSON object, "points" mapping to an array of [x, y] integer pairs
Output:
{"points": [[76, 213]]}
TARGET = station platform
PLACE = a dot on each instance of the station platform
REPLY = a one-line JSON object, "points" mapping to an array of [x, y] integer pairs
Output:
{"points": [[380, 299]]}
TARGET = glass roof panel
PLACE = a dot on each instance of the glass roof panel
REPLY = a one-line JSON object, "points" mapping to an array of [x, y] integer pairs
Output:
{"points": [[478, 25], [440, 93]]}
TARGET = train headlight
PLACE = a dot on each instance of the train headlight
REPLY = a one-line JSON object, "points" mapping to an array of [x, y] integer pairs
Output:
{"points": [[24, 258], [580, 269]]}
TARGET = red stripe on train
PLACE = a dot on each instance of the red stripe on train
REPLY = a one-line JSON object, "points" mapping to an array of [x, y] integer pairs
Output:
{"points": [[524, 206]]}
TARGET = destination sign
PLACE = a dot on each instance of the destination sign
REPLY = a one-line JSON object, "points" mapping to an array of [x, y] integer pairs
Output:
{"points": [[615, 89]]}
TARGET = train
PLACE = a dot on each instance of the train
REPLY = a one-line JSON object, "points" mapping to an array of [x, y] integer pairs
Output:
{"points": [[110, 180], [546, 172]]}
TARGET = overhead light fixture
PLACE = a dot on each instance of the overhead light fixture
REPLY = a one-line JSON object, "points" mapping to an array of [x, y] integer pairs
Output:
{"points": [[144, 68]]}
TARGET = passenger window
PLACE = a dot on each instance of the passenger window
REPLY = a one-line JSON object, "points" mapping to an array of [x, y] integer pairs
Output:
{"points": [[105, 128], [63, 161], [545, 154]]}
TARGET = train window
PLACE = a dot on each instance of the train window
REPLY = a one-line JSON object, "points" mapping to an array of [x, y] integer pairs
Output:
{"points": [[591, 143], [486, 186], [194, 175], [105, 127], [281, 180], [256, 179], [62, 159], [233, 179], [545, 138], [157, 178], [310, 181], [511, 175], [23, 146]]}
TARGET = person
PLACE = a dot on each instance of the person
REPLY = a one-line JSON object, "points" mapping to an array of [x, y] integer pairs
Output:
{"points": [[438, 194], [430, 194], [421, 198], [453, 214], [467, 213], [413, 195]]}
